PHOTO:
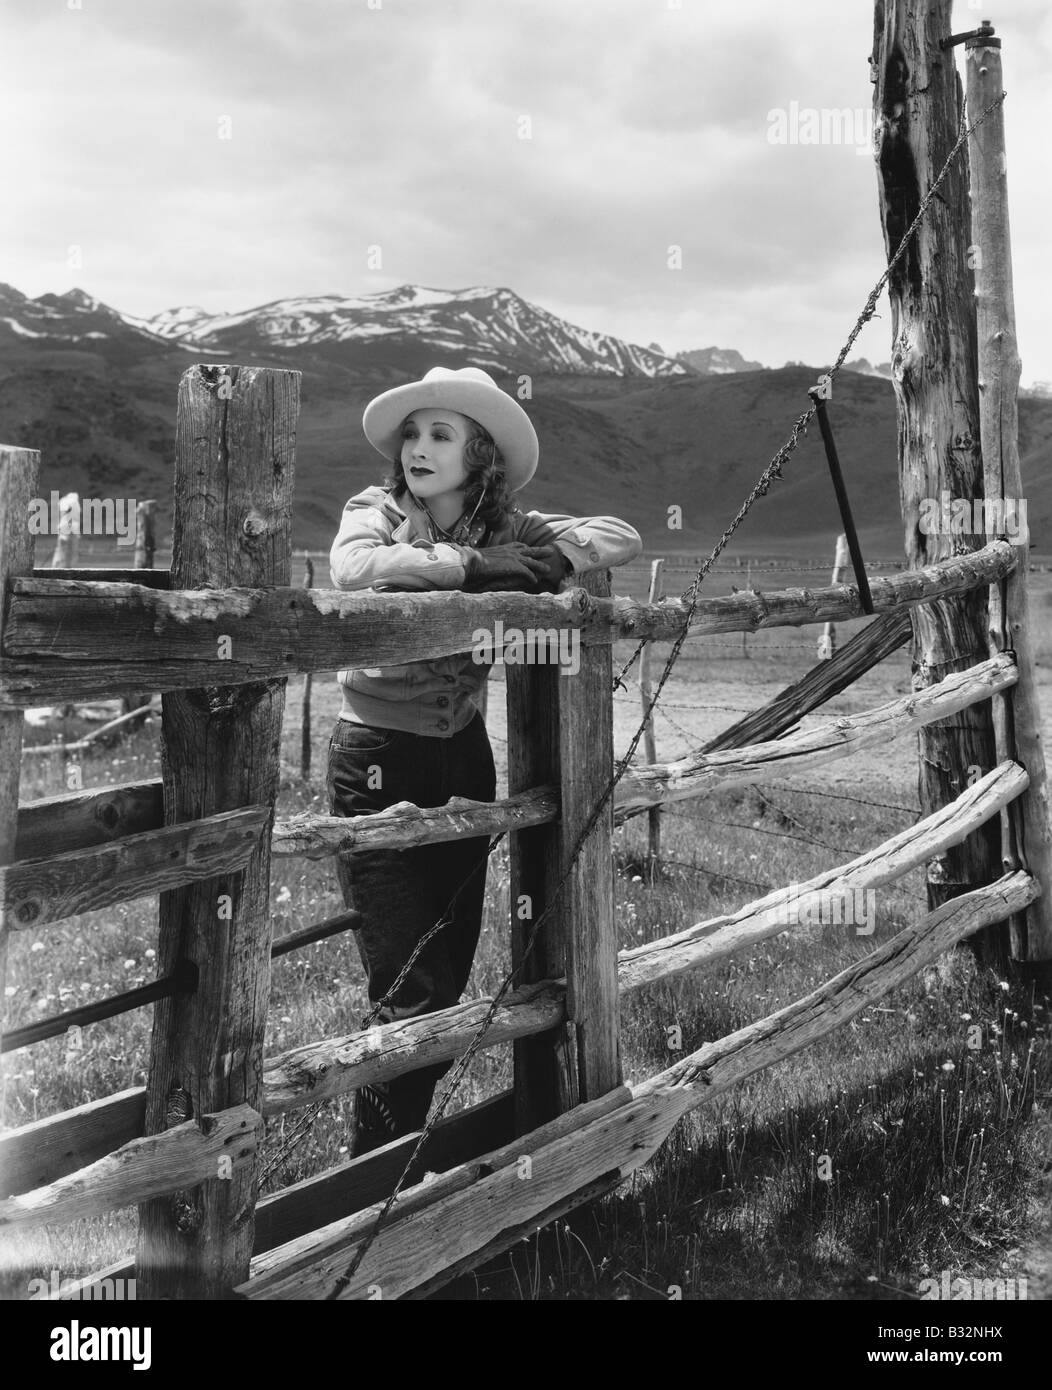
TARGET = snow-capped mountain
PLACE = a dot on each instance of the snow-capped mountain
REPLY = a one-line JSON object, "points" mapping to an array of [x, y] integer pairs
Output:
{"points": [[58, 319], [177, 324], [489, 327], [492, 328], [714, 361], [496, 327]]}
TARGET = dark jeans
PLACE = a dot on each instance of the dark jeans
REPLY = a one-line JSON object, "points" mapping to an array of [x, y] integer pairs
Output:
{"points": [[402, 893]]}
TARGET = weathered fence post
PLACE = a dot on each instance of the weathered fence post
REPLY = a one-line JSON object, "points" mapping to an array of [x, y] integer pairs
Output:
{"points": [[1026, 830], [560, 729], [145, 547], [145, 541], [646, 694], [916, 109], [308, 682], [67, 541], [19, 470], [221, 748], [64, 556], [827, 641]]}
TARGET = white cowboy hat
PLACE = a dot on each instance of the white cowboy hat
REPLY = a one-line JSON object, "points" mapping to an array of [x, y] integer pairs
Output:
{"points": [[471, 391]]}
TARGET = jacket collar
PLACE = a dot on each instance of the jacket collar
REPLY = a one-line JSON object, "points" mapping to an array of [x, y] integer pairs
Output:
{"points": [[415, 523]]}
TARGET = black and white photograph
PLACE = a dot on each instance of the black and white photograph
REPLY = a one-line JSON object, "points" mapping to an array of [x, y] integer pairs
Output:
{"points": [[525, 672]]}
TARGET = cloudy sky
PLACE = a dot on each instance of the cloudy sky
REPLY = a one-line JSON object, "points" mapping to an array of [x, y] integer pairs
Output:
{"points": [[230, 154]]}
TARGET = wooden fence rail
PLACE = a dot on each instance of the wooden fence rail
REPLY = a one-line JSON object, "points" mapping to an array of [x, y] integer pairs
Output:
{"points": [[101, 637], [153, 1166], [34, 892]]}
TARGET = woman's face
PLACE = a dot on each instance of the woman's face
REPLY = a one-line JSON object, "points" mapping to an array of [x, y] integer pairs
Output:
{"points": [[433, 452]]}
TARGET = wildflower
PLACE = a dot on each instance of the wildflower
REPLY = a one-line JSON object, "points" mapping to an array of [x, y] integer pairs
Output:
{"points": [[944, 1199], [949, 1066], [285, 896], [149, 953], [37, 946], [9, 990], [129, 965], [1004, 985]]}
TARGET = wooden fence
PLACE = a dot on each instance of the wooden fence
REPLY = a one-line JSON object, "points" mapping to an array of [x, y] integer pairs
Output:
{"points": [[185, 1147], [218, 634]]}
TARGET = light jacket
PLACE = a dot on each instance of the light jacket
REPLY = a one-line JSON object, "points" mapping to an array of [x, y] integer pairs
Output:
{"points": [[383, 544]]}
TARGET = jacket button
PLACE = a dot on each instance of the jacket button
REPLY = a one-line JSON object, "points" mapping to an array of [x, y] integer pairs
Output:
{"points": [[593, 555], [443, 723], [431, 555], [442, 701]]}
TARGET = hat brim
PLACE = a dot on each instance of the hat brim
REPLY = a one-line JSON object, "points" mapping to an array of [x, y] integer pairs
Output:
{"points": [[495, 410]]}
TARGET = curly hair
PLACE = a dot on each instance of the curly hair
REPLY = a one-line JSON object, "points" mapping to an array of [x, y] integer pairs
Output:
{"points": [[485, 468]]}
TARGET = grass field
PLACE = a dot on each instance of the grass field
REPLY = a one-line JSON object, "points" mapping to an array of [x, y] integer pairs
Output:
{"points": [[905, 1144]]}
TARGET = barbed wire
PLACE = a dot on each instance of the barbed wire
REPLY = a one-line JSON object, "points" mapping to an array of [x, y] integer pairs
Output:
{"points": [[786, 815], [701, 704], [754, 829], [684, 733], [713, 873], [290, 1141], [846, 796]]}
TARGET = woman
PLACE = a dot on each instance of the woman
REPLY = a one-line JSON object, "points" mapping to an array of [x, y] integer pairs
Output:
{"points": [[459, 448]]}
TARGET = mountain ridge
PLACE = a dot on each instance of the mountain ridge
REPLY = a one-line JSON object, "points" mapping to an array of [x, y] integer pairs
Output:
{"points": [[96, 393]]}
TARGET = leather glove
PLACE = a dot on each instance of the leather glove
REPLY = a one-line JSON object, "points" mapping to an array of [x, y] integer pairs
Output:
{"points": [[513, 566], [557, 566]]}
